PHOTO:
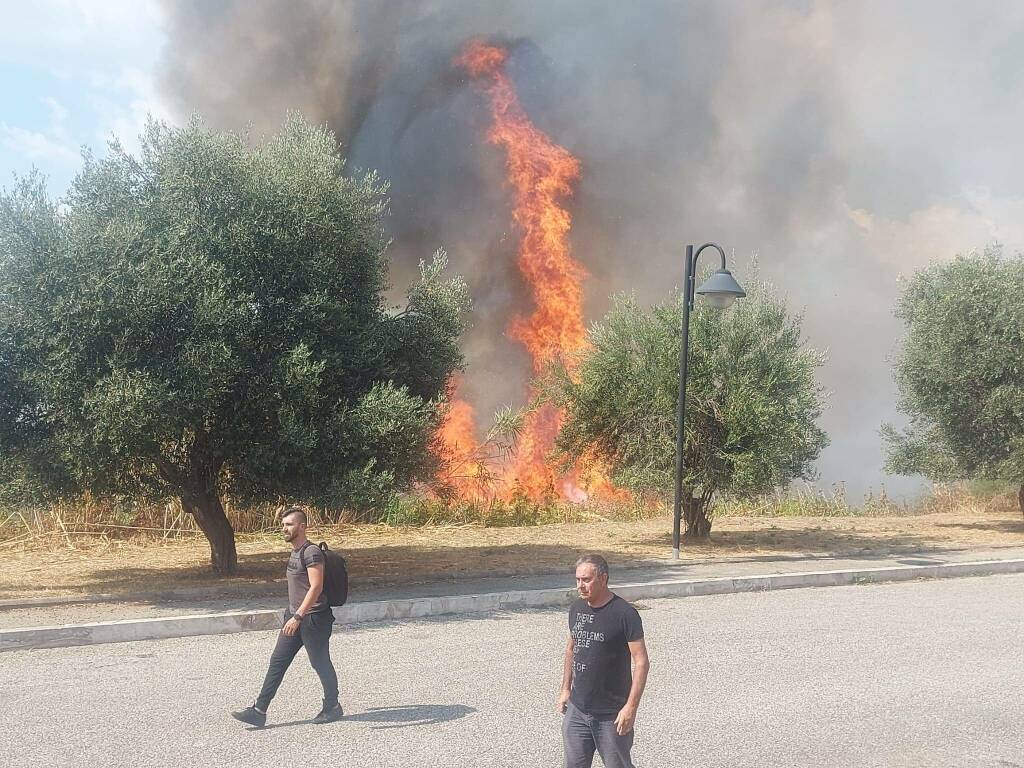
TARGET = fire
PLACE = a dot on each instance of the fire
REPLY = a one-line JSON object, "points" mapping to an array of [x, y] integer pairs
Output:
{"points": [[541, 175], [462, 451]]}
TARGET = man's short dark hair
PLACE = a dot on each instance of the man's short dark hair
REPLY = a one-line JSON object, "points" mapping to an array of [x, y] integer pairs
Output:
{"points": [[595, 560], [297, 511]]}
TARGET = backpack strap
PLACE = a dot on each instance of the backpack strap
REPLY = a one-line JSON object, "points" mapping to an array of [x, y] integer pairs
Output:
{"points": [[302, 550]]}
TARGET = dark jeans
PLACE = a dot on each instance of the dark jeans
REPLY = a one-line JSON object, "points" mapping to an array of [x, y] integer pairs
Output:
{"points": [[583, 733], [315, 635]]}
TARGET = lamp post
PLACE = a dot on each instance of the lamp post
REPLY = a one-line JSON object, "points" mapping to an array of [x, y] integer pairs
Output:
{"points": [[720, 290]]}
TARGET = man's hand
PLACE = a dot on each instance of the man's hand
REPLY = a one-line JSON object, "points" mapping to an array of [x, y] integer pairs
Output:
{"points": [[291, 627], [625, 719], [563, 701]]}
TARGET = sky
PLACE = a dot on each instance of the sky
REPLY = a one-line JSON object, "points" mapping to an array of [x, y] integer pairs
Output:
{"points": [[840, 145], [72, 73]]}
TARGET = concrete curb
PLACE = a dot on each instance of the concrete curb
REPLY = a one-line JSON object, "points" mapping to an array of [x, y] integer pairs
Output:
{"points": [[137, 629], [359, 613]]}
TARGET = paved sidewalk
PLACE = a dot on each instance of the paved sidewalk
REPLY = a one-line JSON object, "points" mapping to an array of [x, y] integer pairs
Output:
{"points": [[647, 573]]}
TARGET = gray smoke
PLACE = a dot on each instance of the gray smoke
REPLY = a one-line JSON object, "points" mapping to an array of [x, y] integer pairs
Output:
{"points": [[843, 143]]}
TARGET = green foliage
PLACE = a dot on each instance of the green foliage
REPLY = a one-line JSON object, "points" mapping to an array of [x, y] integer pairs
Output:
{"points": [[388, 441], [752, 400], [961, 372], [208, 318]]}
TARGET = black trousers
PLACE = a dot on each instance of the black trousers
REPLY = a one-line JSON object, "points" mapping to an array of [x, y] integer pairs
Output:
{"points": [[315, 636]]}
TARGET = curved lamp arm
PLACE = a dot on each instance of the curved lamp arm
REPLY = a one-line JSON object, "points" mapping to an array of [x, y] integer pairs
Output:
{"points": [[691, 276]]}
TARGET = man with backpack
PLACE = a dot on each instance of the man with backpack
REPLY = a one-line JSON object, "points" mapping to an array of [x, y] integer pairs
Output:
{"points": [[308, 624]]}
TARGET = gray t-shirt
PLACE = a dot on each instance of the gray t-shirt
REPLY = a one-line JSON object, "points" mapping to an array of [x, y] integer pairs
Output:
{"points": [[298, 576]]}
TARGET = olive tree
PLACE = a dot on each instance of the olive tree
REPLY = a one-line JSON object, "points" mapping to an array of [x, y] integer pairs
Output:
{"points": [[208, 318], [960, 373], [752, 401]]}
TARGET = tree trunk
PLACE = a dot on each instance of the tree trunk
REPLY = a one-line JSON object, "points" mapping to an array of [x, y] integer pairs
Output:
{"points": [[695, 515], [209, 514], [1020, 498], [195, 480]]}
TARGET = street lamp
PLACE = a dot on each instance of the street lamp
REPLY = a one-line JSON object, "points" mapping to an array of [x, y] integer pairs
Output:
{"points": [[720, 291]]}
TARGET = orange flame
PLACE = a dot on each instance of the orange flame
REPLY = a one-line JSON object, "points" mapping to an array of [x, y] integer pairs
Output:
{"points": [[457, 435], [541, 174]]}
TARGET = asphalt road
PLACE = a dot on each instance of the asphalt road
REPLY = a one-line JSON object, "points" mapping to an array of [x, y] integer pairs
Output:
{"points": [[914, 674]]}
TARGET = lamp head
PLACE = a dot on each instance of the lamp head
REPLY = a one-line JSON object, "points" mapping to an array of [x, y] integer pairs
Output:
{"points": [[721, 289]]}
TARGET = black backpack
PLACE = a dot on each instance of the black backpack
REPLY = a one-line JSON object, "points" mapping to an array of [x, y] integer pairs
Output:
{"points": [[335, 576]]}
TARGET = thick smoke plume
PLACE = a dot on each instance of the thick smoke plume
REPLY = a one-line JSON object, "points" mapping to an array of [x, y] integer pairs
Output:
{"points": [[842, 143]]}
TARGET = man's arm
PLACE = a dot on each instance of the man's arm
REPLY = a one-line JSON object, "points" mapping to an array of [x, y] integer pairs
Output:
{"points": [[641, 665], [563, 697], [316, 586]]}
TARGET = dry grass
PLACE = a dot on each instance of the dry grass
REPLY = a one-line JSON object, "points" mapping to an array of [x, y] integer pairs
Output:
{"points": [[107, 521], [70, 523], [808, 501], [90, 522], [380, 554]]}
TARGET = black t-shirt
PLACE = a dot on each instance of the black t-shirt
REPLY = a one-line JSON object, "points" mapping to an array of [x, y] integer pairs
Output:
{"points": [[602, 672]]}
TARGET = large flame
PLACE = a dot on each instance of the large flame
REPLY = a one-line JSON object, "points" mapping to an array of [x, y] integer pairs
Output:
{"points": [[541, 175], [466, 472]]}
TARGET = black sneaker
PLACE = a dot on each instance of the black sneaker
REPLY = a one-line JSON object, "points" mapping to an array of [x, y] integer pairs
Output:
{"points": [[329, 714], [252, 716]]}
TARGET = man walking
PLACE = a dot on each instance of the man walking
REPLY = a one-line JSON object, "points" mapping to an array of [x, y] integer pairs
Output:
{"points": [[307, 624], [600, 694]]}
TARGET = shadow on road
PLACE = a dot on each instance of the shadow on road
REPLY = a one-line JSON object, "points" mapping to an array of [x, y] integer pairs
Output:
{"points": [[412, 714], [289, 724], [393, 717]]}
